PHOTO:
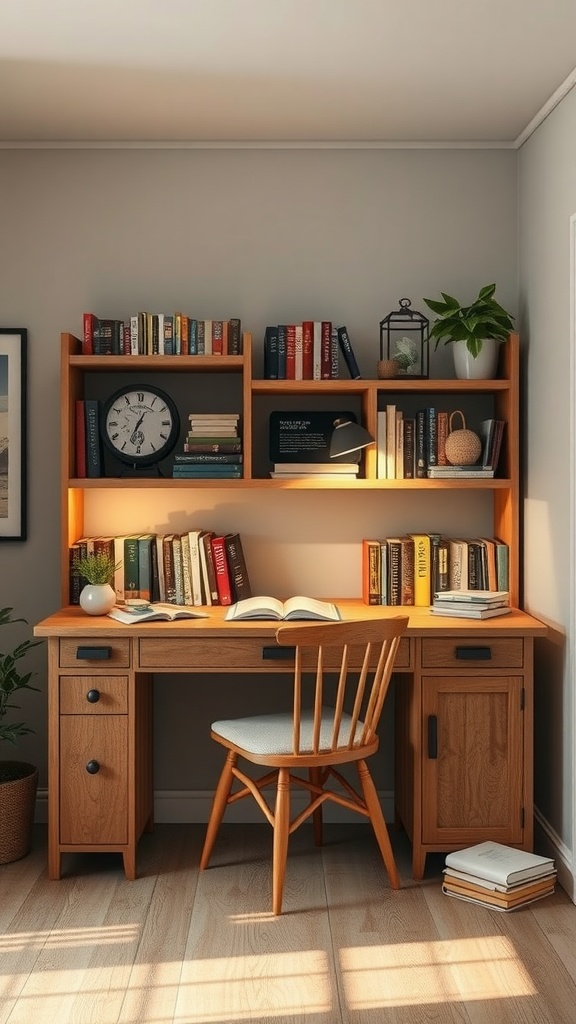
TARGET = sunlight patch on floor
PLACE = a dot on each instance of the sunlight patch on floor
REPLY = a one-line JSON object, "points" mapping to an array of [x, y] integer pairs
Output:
{"points": [[410, 973], [241, 988], [69, 938]]}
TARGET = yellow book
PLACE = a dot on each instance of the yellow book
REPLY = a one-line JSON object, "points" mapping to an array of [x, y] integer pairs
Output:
{"points": [[422, 569]]}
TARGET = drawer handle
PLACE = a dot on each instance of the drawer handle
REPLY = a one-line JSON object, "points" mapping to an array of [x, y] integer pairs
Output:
{"points": [[278, 653], [93, 696], [93, 653], [474, 653], [93, 767], [432, 737]]}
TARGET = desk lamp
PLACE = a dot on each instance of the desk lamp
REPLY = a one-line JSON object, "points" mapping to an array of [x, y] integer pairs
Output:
{"points": [[348, 437]]}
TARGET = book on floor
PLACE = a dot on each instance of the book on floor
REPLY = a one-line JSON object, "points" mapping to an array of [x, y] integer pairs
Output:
{"points": [[491, 902], [293, 608], [481, 886], [154, 613], [499, 863]]}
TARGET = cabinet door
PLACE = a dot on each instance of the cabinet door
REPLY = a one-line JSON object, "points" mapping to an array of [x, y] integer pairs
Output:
{"points": [[473, 763], [93, 805]]}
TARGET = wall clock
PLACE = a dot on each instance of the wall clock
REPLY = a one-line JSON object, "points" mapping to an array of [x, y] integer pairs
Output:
{"points": [[140, 425]]}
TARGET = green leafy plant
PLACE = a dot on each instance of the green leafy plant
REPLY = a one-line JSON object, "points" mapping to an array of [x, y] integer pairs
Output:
{"points": [[484, 319], [12, 680], [96, 569]]}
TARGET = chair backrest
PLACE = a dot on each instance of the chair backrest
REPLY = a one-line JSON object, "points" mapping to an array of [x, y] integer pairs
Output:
{"points": [[361, 654]]}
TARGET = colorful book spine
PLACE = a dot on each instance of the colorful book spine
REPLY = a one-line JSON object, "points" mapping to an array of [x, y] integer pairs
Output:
{"points": [[223, 582]]}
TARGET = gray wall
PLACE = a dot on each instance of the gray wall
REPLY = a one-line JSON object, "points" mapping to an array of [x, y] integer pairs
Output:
{"points": [[547, 201], [270, 236]]}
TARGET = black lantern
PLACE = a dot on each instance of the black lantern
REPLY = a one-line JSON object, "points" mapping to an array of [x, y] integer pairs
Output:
{"points": [[404, 339]]}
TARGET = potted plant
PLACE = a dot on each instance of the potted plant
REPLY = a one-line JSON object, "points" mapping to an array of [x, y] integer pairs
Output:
{"points": [[97, 596], [18, 779], [475, 331]]}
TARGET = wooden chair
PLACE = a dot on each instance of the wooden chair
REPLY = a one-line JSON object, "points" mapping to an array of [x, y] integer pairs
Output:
{"points": [[358, 657]]}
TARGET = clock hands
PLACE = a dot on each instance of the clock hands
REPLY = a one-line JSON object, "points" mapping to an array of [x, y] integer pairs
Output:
{"points": [[133, 438]]}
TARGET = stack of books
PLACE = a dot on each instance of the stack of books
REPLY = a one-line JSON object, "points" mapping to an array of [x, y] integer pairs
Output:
{"points": [[471, 604], [315, 470], [212, 448], [497, 876]]}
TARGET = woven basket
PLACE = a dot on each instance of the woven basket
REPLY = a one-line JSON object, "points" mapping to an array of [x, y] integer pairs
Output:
{"points": [[463, 446], [17, 804]]}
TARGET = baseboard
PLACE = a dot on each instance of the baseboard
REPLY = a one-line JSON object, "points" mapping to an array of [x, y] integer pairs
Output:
{"points": [[549, 844], [181, 806]]}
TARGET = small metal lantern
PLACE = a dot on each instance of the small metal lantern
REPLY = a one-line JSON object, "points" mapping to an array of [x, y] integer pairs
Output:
{"points": [[404, 338]]}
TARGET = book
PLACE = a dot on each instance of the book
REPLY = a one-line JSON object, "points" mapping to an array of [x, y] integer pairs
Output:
{"points": [[492, 901], [154, 613], [422, 569], [466, 606], [131, 567], [80, 440], [458, 473], [473, 596], [468, 613], [381, 464], [371, 572], [271, 353], [209, 584], [145, 542], [499, 863], [223, 581], [332, 468], [283, 611], [483, 885], [348, 352], [93, 442], [237, 567]]}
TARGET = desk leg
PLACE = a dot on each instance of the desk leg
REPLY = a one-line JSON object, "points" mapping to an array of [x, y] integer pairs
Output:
{"points": [[418, 863], [129, 859]]}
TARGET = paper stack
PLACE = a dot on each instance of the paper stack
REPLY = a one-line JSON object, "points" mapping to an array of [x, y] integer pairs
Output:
{"points": [[499, 877], [471, 604]]}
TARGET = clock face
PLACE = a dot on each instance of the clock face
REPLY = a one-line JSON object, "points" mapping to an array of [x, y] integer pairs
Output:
{"points": [[140, 424]]}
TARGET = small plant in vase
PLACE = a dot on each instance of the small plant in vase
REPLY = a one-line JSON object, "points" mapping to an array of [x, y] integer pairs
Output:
{"points": [[18, 779], [475, 331], [97, 596]]}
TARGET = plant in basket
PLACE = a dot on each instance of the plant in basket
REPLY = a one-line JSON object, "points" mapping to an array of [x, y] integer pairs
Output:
{"points": [[18, 779]]}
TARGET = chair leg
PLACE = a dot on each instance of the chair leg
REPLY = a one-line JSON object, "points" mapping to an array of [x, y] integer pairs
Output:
{"points": [[281, 833], [221, 795], [378, 823], [315, 778]]}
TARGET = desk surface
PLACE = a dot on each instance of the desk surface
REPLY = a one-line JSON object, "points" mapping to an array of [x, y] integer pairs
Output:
{"points": [[73, 621]]}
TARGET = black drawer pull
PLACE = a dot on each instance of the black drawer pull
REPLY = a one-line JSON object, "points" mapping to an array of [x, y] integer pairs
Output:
{"points": [[432, 737], [93, 653], [474, 653], [93, 767], [278, 653], [93, 696]]}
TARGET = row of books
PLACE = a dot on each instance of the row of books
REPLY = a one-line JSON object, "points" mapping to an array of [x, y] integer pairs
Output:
{"points": [[212, 448], [498, 877], [307, 351], [414, 447], [410, 569], [165, 334], [199, 567]]}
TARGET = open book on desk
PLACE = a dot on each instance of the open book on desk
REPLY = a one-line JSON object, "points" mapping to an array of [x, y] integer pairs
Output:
{"points": [[154, 613], [282, 611]]}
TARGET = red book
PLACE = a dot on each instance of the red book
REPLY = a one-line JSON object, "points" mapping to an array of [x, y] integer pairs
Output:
{"points": [[326, 350], [222, 574], [307, 349], [88, 323], [80, 439], [217, 326]]}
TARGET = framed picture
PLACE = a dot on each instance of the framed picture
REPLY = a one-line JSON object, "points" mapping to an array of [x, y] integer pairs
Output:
{"points": [[13, 343]]}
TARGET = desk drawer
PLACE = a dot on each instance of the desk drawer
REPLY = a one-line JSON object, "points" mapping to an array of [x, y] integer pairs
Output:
{"points": [[103, 652], [93, 695], [472, 651], [233, 655]]}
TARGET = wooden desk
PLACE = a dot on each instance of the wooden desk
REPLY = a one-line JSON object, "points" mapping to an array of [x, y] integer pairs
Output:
{"points": [[463, 706]]}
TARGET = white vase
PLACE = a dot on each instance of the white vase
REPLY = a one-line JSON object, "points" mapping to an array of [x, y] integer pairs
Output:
{"points": [[483, 367], [97, 598]]}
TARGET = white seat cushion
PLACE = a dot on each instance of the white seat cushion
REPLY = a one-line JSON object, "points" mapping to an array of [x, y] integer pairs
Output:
{"points": [[272, 734]]}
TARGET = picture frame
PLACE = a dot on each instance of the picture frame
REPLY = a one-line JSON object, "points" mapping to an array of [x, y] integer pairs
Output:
{"points": [[13, 417]]}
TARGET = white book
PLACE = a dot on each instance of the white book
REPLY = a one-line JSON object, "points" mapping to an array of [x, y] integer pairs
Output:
{"points": [[391, 442], [467, 606], [473, 596], [381, 463], [154, 612], [316, 467], [293, 608], [491, 906], [317, 350], [499, 863], [469, 613], [314, 476], [195, 567], [207, 337], [486, 883], [298, 366]]}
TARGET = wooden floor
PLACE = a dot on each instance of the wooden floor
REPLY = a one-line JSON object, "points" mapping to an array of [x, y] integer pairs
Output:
{"points": [[179, 946]]}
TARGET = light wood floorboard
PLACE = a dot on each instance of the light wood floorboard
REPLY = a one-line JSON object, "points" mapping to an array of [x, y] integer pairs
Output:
{"points": [[182, 947]]}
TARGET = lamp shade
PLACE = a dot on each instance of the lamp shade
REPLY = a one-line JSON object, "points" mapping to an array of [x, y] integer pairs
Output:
{"points": [[348, 437]]}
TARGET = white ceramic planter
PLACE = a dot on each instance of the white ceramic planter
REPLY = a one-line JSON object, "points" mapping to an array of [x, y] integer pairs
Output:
{"points": [[483, 367], [97, 598]]}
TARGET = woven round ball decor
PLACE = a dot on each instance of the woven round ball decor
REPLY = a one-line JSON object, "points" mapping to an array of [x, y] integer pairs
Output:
{"points": [[463, 446]]}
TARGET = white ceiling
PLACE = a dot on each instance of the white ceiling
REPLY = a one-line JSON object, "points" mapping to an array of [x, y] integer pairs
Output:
{"points": [[273, 71]]}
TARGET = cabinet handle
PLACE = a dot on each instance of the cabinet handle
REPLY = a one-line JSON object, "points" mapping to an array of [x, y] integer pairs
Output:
{"points": [[93, 653], [93, 767], [432, 737], [93, 696], [474, 653], [278, 653]]}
